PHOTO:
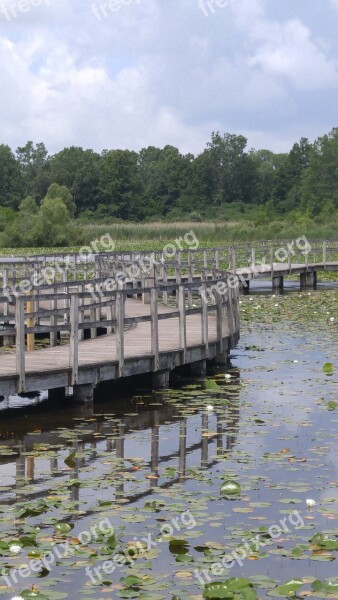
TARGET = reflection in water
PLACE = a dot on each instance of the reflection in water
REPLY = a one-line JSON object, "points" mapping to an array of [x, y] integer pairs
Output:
{"points": [[78, 444]]}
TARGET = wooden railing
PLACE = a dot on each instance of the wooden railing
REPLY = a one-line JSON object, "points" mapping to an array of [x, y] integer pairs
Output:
{"points": [[72, 267], [80, 312]]}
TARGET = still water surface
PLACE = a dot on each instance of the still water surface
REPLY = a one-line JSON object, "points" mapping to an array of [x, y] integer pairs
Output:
{"points": [[152, 466]]}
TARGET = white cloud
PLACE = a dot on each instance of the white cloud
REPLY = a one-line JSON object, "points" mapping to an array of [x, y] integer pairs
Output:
{"points": [[289, 51], [157, 73]]}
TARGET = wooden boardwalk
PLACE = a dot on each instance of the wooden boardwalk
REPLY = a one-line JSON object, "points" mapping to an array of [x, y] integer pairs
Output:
{"points": [[142, 312], [129, 336]]}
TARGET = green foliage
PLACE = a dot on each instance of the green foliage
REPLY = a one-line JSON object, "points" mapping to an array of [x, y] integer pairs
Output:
{"points": [[120, 184], [7, 217], [53, 224], [61, 192], [28, 206], [249, 194]]}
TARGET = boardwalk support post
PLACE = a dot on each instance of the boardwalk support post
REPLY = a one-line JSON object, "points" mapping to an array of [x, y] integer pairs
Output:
{"points": [[198, 369], [182, 322], [154, 328], [204, 319], [57, 394], [20, 343], [120, 309], [308, 279], [30, 323], [83, 394], [74, 338], [278, 282], [160, 380]]}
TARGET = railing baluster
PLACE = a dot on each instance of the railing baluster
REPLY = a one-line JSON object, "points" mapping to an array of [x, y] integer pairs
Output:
{"points": [[182, 321], [120, 312], [20, 343], [74, 338], [154, 328]]}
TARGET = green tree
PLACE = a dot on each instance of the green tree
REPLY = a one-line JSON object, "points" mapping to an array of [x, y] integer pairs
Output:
{"points": [[35, 169], [287, 191], [53, 226], [319, 183], [11, 183], [7, 217], [267, 165], [79, 171], [61, 192], [28, 206], [166, 175], [121, 187], [233, 174]]}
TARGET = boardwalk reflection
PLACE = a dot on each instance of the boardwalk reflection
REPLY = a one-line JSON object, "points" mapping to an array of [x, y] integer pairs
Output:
{"points": [[158, 438]]}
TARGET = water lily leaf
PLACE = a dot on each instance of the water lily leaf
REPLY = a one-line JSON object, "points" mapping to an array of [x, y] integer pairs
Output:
{"points": [[178, 546], [228, 588], [131, 580], [287, 589], [328, 368], [230, 488], [69, 461], [29, 594], [62, 528]]}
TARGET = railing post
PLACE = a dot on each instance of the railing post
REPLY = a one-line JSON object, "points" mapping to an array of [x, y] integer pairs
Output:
{"points": [[219, 320], [165, 283], [182, 321], [289, 260], [233, 259], [217, 259], [74, 338], [324, 254], [120, 310], [204, 318], [5, 286], [253, 258], [81, 312], [65, 291], [30, 322], [178, 277], [154, 328], [53, 319], [20, 343], [190, 280], [110, 316], [205, 259], [232, 314]]}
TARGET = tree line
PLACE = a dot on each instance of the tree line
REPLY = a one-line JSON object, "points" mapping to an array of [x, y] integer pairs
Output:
{"points": [[225, 180]]}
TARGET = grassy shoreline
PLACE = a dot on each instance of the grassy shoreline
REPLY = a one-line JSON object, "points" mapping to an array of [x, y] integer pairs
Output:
{"points": [[153, 236]]}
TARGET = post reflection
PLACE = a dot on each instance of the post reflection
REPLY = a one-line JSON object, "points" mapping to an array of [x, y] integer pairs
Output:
{"points": [[158, 438]]}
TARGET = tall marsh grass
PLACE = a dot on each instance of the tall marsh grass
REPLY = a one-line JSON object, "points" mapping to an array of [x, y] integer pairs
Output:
{"points": [[209, 234]]}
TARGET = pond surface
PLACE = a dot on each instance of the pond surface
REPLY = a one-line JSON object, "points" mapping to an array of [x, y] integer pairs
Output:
{"points": [[156, 495]]}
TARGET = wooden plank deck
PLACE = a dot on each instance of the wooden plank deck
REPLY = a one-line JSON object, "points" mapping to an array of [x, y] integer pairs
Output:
{"points": [[103, 349], [99, 355]]}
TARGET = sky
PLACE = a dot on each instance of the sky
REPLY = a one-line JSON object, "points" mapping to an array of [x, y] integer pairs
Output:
{"points": [[110, 74]]}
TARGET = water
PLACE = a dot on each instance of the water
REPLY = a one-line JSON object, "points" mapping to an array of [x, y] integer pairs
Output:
{"points": [[152, 465]]}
